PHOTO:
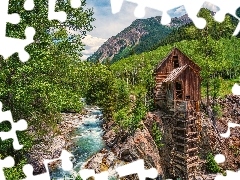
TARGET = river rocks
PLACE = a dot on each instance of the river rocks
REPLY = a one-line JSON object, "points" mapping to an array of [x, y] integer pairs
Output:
{"points": [[105, 160], [110, 138], [230, 113], [51, 146], [129, 148]]}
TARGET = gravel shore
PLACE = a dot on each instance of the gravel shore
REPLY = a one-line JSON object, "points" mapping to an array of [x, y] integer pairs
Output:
{"points": [[52, 145]]}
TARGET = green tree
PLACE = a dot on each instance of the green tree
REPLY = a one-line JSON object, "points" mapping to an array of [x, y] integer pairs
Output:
{"points": [[42, 87]]}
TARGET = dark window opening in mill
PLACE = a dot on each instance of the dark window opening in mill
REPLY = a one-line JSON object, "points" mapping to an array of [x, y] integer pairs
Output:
{"points": [[175, 62]]}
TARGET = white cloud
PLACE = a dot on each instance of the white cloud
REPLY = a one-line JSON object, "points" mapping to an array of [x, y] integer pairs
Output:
{"points": [[210, 6], [91, 45], [108, 24], [176, 12], [93, 41]]}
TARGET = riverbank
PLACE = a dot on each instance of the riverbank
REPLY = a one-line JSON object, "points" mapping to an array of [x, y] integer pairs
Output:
{"points": [[51, 145], [122, 148], [85, 141]]}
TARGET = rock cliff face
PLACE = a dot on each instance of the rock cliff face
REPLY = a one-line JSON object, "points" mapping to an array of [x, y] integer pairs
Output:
{"points": [[140, 36], [124, 148], [211, 141], [230, 106]]}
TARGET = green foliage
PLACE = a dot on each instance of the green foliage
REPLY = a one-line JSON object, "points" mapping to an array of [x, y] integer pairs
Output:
{"points": [[217, 109], [46, 85], [235, 149], [15, 172], [54, 79], [212, 165], [129, 118], [123, 118], [157, 135], [190, 32]]}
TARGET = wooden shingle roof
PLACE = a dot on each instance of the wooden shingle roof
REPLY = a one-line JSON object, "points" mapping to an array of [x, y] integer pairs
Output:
{"points": [[169, 54], [175, 73]]}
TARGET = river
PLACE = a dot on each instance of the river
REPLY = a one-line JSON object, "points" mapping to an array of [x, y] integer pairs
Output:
{"points": [[87, 140]]}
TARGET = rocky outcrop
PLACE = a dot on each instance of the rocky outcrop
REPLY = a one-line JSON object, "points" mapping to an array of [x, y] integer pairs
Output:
{"points": [[230, 106], [211, 141], [127, 38], [124, 148], [133, 38], [105, 160]]}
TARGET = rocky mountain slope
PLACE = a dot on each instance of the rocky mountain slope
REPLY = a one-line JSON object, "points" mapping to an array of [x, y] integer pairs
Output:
{"points": [[140, 36]]}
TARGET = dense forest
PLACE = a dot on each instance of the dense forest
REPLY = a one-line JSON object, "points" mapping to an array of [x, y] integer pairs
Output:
{"points": [[54, 79]]}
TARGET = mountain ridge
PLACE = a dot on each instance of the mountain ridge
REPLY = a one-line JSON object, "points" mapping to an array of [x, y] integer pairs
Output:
{"points": [[140, 36]]}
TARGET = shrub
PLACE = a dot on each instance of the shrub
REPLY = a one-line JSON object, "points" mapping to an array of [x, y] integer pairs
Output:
{"points": [[157, 135], [212, 165]]}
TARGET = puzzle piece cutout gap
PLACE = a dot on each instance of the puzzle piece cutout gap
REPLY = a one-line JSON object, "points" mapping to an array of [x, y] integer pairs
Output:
{"points": [[230, 125], [8, 162], [236, 89], [164, 7], [137, 167], [192, 9], [67, 165], [231, 175], [61, 16], [87, 173], [21, 125], [29, 5], [8, 45]]}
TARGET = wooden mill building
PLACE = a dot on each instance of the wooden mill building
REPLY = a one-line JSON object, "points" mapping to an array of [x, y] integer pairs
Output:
{"points": [[177, 93]]}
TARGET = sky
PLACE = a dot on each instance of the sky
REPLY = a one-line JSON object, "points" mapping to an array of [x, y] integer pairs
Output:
{"points": [[108, 24]]}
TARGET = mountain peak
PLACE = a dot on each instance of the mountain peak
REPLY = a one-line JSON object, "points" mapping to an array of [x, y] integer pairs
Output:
{"points": [[140, 36]]}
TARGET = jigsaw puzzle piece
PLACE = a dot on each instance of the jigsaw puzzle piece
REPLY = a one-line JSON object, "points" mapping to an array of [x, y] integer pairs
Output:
{"points": [[66, 166], [9, 46], [21, 125], [87, 173], [231, 175], [162, 6], [29, 5], [237, 30], [52, 14], [8, 162], [165, 5], [28, 171], [236, 87], [193, 11], [226, 7], [137, 167], [5, 17], [230, 125], [61, 16]]}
